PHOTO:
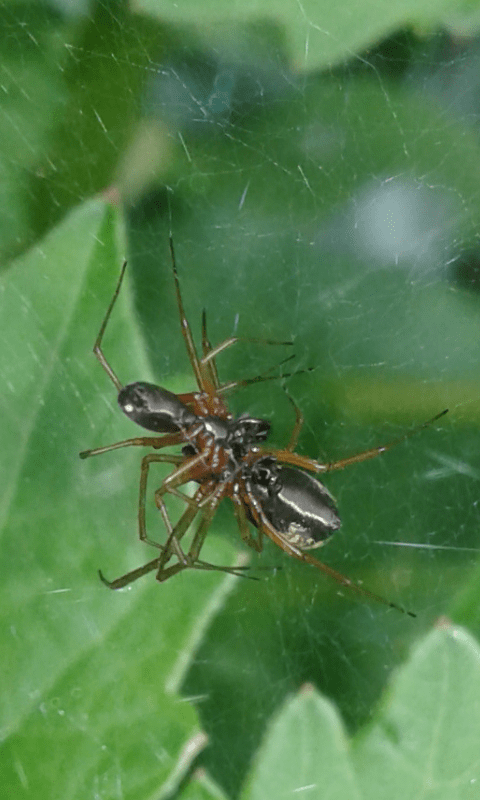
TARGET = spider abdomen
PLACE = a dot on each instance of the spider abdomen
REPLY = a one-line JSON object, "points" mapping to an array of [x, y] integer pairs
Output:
{"points": [[299, 507], [154, 408]]}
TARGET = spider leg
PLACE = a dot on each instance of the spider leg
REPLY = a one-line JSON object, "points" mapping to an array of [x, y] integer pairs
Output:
{"points": [[204, 499], [202, 529], [211, 366], [189, 561], [376, 451], [287, 457], [349, 584], [208, 364], [97, 347], [219, 348], [182, 525], [237, 571], [193, 562], [151, 566], [184, 473], [291, 550], [186, 331], [242, 521], [205, 369], [176, 478], [299, 420], [139, 441], [172, 545], [129, 577], [232, 386]]}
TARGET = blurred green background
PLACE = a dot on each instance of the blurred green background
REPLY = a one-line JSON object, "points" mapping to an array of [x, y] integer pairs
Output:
{"points": [[320, 176]]}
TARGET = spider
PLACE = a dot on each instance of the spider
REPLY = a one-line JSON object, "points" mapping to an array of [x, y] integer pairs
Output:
{"points": [[226, 457]]}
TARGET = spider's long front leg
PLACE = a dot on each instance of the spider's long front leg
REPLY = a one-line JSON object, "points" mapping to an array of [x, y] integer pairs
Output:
{"points": [[186, 331], [219, 348], [287, 457], [296, 552], [211, 366]]}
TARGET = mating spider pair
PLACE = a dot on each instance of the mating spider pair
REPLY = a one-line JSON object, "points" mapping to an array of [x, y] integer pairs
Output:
{"points": [[226, 457]]}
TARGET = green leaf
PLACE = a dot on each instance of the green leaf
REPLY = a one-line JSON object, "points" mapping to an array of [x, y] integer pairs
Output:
{"points": [[32, 95], [305, 750], [422, 742], [317, 34], [90, 677], [339, 209]]}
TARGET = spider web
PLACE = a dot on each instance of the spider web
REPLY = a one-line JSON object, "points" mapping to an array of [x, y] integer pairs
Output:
{"points": [[334, 205]]}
